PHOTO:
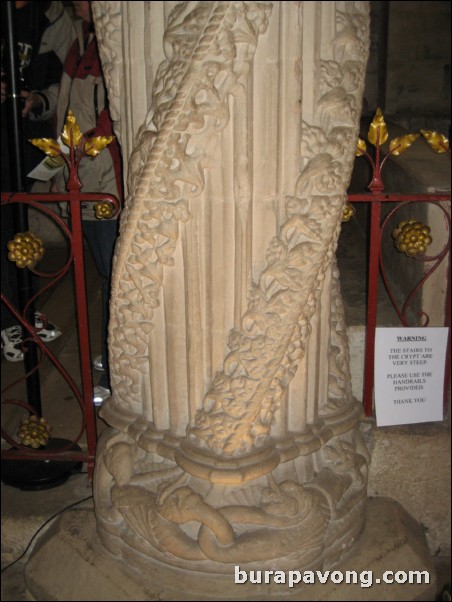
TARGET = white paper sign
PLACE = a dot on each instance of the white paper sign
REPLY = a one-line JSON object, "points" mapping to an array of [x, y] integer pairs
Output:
{"points": [[409, 374], [49, 166]]}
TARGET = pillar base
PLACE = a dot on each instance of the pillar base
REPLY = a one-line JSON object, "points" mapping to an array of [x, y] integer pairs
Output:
{"points": [[69, 563]]}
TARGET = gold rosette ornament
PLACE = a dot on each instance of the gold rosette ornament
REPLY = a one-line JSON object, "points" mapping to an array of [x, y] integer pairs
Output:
{"points": [[103, 210], [348, 212], [34, 432], [412, 237], [25, 250]]}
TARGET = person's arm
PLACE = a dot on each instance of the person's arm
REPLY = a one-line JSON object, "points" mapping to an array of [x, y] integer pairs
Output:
{"points": [[40, 105], [57, 39]]}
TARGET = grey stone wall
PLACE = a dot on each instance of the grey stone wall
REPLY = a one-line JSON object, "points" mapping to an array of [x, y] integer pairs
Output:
{"points": [[413, 83]]}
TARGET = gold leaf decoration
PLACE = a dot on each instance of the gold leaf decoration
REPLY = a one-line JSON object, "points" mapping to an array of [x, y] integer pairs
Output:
{"points": [[48, 145], [360, 147], [399, 145], [93, 146], [438, 142], [378, 125], [71, 131]]}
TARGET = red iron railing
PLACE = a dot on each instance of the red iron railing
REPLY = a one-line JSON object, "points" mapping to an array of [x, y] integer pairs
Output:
{"points": [[376, 198], [74, 198], [107, 206]]}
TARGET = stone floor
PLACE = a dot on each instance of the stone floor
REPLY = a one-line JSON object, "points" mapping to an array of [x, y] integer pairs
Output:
{"points": [[81, 569], [26, 515]]}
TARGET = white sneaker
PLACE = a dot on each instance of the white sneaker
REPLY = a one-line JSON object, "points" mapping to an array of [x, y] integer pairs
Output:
{"points": [[97, 363], [46, 331], [100, 395], [12, 344], [12, 337]]}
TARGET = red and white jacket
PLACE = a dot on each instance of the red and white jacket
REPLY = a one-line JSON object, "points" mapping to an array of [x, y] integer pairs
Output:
{"points": [[82, 90]]}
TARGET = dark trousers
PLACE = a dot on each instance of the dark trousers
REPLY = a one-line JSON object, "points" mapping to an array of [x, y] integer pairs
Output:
{"points": [[101, 237], [9, 270]]}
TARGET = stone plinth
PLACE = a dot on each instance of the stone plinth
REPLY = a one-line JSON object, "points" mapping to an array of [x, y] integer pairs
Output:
{"points": [[69, 563]]}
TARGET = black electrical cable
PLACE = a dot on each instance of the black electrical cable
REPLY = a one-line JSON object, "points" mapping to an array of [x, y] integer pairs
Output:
{"points": [[42, 527]]}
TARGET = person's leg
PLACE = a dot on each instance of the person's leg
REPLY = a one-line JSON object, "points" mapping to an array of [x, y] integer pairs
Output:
{"points": [[9, 277], [11, 331], [101, 236]]}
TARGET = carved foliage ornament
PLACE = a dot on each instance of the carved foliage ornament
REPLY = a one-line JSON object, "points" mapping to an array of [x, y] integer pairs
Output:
{"points": [[183, 517], [191, 93], [191, 99]]}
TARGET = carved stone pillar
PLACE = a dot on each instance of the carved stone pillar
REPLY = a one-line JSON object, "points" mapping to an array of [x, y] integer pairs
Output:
{"points": [[233, 433]]}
